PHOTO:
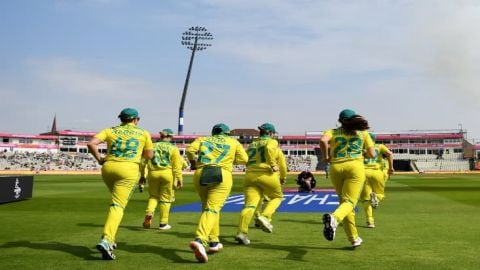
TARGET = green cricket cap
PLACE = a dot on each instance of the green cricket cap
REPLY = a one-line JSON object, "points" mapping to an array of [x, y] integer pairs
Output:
{"points": [[220, 128], [346, 114], [268, 127], [167, 132], [128, 113]]}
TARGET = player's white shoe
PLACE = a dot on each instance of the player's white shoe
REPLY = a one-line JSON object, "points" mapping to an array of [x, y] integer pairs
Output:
{"points": [[214, 247], [374, 200], [370, 225], [199, 250], [242, 238], [164, 227], [357, 242], [265, 224], [329, 226], [106, 249]]}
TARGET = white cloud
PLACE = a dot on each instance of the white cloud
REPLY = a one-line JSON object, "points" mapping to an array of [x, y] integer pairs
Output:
{"points": [[77, 78], [404, 63], [452, 40]]}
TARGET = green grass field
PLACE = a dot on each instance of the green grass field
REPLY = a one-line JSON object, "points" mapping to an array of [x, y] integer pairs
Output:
{"points": [[426, 222]]}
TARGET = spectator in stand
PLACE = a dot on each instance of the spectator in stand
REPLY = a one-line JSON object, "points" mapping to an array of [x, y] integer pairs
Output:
{"points": [[126, 144], [343, 148]]}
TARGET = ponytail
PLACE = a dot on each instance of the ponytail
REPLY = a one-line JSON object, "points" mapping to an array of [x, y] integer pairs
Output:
{"points": [[356, 123]]}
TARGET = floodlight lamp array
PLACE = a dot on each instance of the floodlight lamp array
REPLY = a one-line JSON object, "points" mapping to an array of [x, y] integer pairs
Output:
{"points": [[196, 38]]}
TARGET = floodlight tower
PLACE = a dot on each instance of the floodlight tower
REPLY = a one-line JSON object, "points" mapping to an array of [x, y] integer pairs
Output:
{"points": [[196, 39]]}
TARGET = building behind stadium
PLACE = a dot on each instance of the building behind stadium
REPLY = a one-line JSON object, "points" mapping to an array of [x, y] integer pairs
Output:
{"points": [[420, 151]]}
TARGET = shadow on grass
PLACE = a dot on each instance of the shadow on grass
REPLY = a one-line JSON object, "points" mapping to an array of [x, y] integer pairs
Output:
{"points": [[294, 253], [171, 254], [310, 221], [172, 231], [195, 224], [79, 251], [132, 228], [91, 254]]}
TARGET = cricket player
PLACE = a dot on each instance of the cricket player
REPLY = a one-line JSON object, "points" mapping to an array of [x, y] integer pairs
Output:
{"points": [[213, 158], [374, 190], [266, 173], [164, 173], [343, 148], [126, 144]]}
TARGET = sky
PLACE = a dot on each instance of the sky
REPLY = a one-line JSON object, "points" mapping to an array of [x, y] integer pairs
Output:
{"points": [[403, 65]]}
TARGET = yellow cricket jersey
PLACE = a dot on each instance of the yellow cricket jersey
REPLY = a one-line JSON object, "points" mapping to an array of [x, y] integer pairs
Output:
{"points": [[184, 164], [346, 147], [378, 162], [166, 156], [282, 164], [125, 142], [217, 150], [263, 154], [385, 165]]}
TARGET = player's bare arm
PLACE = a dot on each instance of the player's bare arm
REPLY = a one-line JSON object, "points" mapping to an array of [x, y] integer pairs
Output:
{"points": [[93, 148]]}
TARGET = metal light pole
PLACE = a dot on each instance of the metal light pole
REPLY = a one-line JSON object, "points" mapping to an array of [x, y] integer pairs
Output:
{"points": [[195, 39]]}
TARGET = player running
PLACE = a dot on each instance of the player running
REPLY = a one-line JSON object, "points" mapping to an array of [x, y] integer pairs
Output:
{"points": [[266, 172], [126, 144], [164, 173], [374, 190], [213, 158], [343, 148]]}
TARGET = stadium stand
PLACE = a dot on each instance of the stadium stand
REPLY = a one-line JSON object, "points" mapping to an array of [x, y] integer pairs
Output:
{"points": [[36, 162], [421, 151], [442, 165], [301, 163]]}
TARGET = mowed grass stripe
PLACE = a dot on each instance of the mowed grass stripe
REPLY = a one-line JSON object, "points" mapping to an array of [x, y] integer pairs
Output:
{"points": [[424, 223]]}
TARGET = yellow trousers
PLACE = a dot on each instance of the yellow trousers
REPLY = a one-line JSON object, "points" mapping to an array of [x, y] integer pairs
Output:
{"points": [[160, 189], [256, 186], [348, 179], [213, 197], [120, 179], [375, 182]]}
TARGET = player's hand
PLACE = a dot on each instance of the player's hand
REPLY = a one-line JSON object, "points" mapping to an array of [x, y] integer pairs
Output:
{"points": [[283, 181], [391, 171], [178, 184], [193, 165], [142, 180], [101, 161], [275, 168]]}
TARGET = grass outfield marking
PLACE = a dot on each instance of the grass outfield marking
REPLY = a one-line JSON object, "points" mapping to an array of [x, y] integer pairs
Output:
{"points": [[423, 224]]}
